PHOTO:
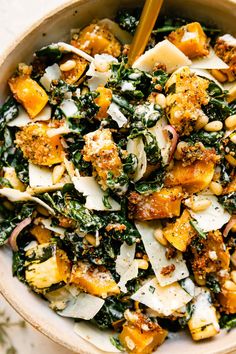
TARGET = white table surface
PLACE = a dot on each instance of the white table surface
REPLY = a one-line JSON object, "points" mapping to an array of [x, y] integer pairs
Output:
{"points": [[15, 17]]}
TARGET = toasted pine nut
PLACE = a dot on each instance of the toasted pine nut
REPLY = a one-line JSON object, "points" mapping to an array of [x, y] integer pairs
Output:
{"points": [[231, 160], [198, 205], [42, 210], [232, 94], [233, 276], [216, 188], [214, 126], [230, 75], [160, 100], [68, 65], [91, 239], [219, 75], [158, 234], [201, 122], [230, 122], [179, 150], [142, 263], [57, 173], [229, 285]]}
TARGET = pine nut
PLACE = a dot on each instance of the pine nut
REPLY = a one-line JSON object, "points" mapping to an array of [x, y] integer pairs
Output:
{"points": [[232, 94], [57, 173], [233, 276], [233, 258], [158, 234], [216, 188], [68, 65], [42, 210], [214, 126], [219, 75], [142, 263], [179, 150], [161, 100], [197, 205], [201, 122], [91, 239], [231, 160], [229, 285], [230, 122]]}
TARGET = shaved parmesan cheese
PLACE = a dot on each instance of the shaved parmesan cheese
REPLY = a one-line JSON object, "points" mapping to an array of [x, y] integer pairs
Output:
{"points": [[157, 255], [123, 36], [212, 218], [65, 47], [136, 146], [47, 223], [230, 40], [23, 118], [163, 53], [69, 108], [52, 72], [127, 86], [164, 300], [131, 273], [162, 138], [117, 115], [84, 306], [211, 61], [16, 196], [207, 75], [125, 258], [64, 129], [39, 176], [99, 338], [99, 79], [100, 71], [93, 193], [44, 115]]}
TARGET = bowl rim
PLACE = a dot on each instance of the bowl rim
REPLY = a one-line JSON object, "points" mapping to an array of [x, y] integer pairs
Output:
{"points": [[10, 299]]}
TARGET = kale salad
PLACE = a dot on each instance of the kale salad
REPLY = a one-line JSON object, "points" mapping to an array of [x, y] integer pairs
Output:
{"points": [[118, 182]]}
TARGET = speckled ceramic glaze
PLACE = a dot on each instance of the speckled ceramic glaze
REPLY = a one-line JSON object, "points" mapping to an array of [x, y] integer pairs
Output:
{"points": [[56, 26]]}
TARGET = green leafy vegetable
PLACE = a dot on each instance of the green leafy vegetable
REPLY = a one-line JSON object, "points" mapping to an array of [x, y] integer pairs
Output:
{"points": [[154, 183], [50, 53], [200, 232], [8, 112], [228, 321], [229, 202], [115, 341], [127, 21], [213, 284]]}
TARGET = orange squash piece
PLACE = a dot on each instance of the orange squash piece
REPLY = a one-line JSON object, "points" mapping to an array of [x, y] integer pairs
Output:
{"points": [[180, 233], [73, 75], [158, 205], [227, 297], [97, 281], [29, 94], [103, 101], [41, 234], [38, 147], [140, 335], [191, 40]]}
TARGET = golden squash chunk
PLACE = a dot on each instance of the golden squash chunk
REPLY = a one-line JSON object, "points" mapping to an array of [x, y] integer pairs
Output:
{"points": [[180, 233], [97, 281], [96, 39], [191, 40], [38, 147], [73, 75], [11, 176], [46, 265], [158, 205], [29, 94], [227, 297], [231, 187], [194, 177], [103, 101], [41, 234], [140, 335], [186, 94]]}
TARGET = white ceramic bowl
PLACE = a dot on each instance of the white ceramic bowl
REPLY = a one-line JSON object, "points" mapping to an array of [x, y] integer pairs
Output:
{"points": [[56, 26]]}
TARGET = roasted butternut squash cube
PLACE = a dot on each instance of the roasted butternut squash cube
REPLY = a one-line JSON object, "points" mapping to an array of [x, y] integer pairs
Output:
{"points": [[180, 233], [29, 94], [11, 176], [194, 177], [41, 234], [73, 75], [191, 40], [158, 205], [97, 281], [46, 265], [97, 39], [103, 101], [227, 297], [38, 147], [140, 335]]}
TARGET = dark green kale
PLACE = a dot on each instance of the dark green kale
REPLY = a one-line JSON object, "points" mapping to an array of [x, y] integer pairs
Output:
{"points": [[112, 311], [5, 183], [8, 112], [228, 321], [60, 91], [75, 144], [209, 139], [232, 107], [50, 53], [229, 202], [115, 341], [128, 20], [118, 185], [151, 147], [125, 106], [18, 268], [146, 116], [130, 163], [10, 155], [10, 219], [183, 321], [159, 79], [217, 108], [213, 283], [154, 183], [86, 105]]}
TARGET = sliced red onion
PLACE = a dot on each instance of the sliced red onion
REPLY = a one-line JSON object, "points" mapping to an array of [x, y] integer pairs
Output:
{"points": [[17, 230], [228, 227], [174, 140]]}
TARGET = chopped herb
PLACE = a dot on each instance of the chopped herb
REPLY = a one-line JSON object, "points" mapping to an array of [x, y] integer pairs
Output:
{"points": [[200, 232]]}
